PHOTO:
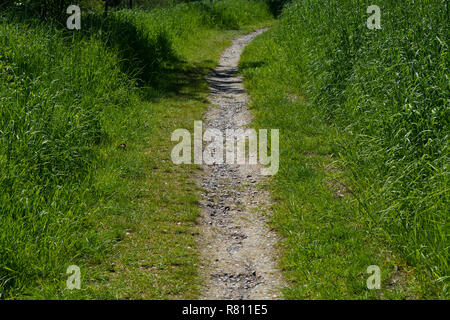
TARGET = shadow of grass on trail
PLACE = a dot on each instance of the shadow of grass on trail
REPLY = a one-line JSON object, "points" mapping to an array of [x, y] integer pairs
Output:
{"points": [[251, 65], [143, 54], [149, 57], [180, 79], [146, 55]]}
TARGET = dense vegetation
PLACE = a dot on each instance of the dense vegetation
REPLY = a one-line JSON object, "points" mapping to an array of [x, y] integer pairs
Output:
{"points": [[372, 103], [85, 119], [68, 102]]}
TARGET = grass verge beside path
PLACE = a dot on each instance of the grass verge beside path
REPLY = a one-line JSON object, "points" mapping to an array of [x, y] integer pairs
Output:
{"points": [[85, 171], [327, 246], [358, 184]]}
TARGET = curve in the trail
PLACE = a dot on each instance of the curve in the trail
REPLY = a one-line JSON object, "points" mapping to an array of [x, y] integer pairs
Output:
{"points": [[239, 258]]}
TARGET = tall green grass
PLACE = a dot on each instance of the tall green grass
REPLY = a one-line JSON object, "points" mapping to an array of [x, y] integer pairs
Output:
{"points": [[64, 97], [386, 93], [54, 97]]}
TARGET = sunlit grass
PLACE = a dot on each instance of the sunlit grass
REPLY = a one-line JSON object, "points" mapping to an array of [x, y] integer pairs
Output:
{"points": [[85, 122], [376, 102]]}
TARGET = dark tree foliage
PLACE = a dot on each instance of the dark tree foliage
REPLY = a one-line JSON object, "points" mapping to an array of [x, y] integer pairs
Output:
{"points": [[42, 8], [116, 3], [276, 6], [57, 8]]}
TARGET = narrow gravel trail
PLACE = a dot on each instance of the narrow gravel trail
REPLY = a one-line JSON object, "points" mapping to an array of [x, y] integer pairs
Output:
{"points": [[238, 254]]}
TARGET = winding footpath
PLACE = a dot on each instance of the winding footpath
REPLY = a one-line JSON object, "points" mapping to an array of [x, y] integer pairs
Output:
{"points": [[239, 260]]}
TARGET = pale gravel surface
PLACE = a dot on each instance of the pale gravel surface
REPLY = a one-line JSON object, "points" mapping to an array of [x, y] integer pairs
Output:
{"points": [[238, 248]]}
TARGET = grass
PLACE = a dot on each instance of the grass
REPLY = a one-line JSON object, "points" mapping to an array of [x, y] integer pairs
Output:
{"points": [[85, 170], [363, 119]]}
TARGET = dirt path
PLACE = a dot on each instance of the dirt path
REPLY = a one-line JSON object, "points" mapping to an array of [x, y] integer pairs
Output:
{"points": [[239, 259]]}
